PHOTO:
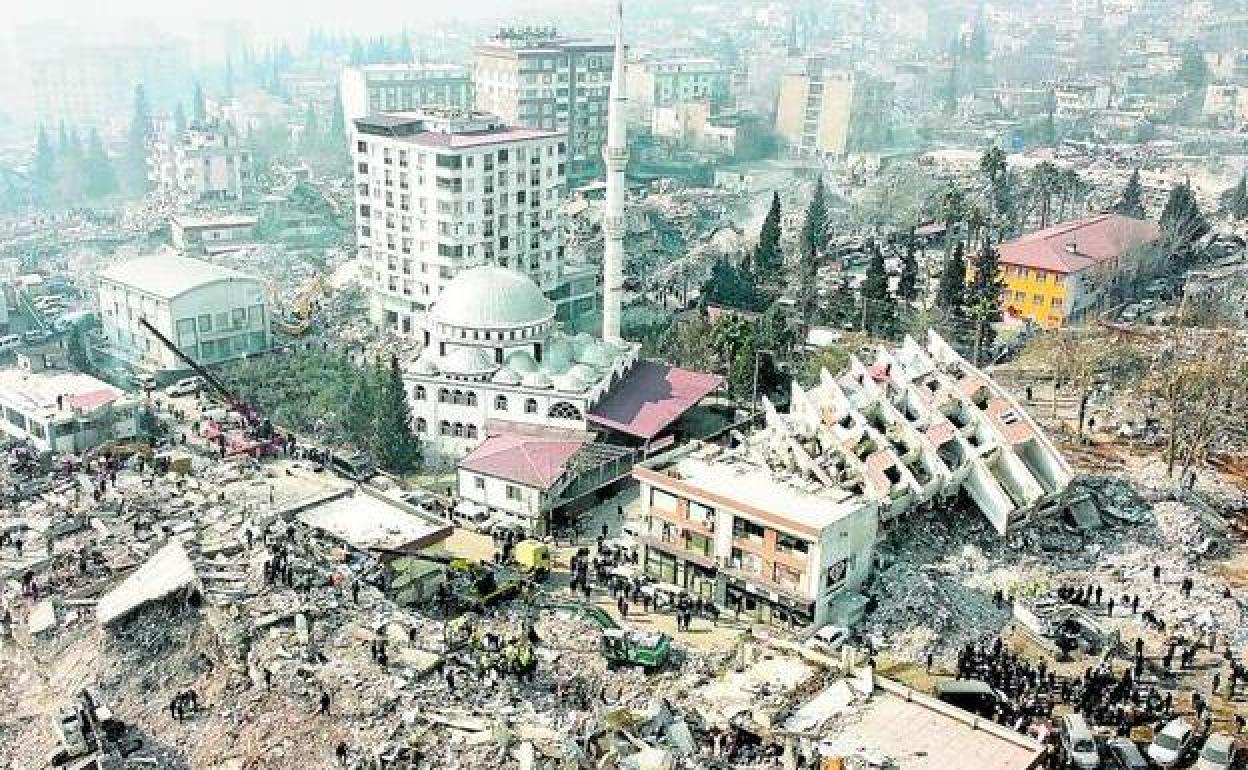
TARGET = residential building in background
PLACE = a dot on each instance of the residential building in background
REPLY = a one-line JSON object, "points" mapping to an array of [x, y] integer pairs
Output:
{"points": [[531, 77], [830, 113], [203, 164], [665, 82], [377, 88], [211, 312], [439, 191], [1055, 276]]}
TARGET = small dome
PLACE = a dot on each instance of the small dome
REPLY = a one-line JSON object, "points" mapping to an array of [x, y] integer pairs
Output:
{"points": [[492, 297], [521, 361], [536, 380], [585, 373], [424, 366], [468, 361], [596, 354], [567, 383], [558, 355], [505, 376]]}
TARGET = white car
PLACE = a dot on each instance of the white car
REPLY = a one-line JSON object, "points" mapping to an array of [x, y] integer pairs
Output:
{"points": [[1218, 753], [185, 387], [828, 639], [1169, 745]]}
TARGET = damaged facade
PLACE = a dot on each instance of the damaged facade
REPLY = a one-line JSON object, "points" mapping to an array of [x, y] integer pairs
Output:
{"points": [[783, 525]]}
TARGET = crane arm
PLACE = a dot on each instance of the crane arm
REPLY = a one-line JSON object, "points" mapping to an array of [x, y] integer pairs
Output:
{"points": [[208, 377]]}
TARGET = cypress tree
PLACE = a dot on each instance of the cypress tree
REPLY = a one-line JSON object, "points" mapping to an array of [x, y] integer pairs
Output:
{"points": [[767, 253], [951, 291], [1131, 204], [880, 312], [398, 448], [137, 142], [984, 302], [908, 281], [101, 179], [1182, 221], [199, 107], [43, 167]]}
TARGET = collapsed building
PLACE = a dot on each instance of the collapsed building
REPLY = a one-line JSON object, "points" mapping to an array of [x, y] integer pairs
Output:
{"points": [[782, 526]]}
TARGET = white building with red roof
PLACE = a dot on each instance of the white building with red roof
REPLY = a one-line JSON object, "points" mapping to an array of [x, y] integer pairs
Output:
{"points": [[63, 411]]}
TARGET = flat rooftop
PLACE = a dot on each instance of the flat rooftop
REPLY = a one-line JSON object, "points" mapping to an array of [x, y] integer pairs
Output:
{"points": [[36, 393], [733, 479], [371, 522], [225, 220], [169, 275], [417, 128]]}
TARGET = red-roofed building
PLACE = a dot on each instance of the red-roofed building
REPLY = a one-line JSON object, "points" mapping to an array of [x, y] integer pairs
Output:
{"points": [[1053, 276], [652, 397]]}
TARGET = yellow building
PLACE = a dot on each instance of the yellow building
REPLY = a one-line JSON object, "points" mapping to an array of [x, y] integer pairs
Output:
{"points": [[1054, 276]]}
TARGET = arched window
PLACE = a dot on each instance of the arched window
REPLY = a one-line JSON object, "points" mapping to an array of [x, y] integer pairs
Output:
{"points": [[470, 398], [444, 395], [471, 431], [418, 393], [562, 410], [444, 428], [530, 406], [459, 430], [500, 403], [421, 425]]}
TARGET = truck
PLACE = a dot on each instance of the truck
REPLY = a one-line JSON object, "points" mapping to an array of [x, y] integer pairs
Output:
{"points": [[87, 729]]}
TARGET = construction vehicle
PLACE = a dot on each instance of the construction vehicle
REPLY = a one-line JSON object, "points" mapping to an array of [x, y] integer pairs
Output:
{"points": [[475, 586], [303, 307], [619, 645], [533, 556], [90, 734], [257, 438]]}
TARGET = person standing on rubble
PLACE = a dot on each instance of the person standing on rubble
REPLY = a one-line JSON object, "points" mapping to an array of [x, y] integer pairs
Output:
{"points": [[324, 710]]}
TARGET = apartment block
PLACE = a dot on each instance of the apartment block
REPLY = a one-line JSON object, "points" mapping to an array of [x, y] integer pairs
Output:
{"points": [[824, 112], [782, 525], [533, 78], [203, 163], [664, 82], [439, 191], [377, 88]]}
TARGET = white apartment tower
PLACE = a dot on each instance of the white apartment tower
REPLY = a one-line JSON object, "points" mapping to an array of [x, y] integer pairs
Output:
{"points": [[615, 155], [439, 191]]}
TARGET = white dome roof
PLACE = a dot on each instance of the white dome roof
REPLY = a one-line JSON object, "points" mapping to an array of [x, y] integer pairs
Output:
{"points": [[558, 356], [536, 380], [492, 297], [568, 383], [505, 376], [468, 361], [596, 354], [521, 361], [585, 373]]}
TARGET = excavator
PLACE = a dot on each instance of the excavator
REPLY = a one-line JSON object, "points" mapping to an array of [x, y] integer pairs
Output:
{"points": [[258, 437], [303, 308], [621, 646]]}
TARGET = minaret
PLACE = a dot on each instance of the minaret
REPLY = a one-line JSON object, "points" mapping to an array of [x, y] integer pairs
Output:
{"points": [[615, 157]]}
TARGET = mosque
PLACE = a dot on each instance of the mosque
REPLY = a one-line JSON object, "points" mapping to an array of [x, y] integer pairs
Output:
{"points": [[496, 371]]}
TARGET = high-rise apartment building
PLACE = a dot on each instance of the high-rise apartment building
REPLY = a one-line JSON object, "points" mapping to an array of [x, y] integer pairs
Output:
{"points": [[533, 78], [826, 112], [439, 191], [203, 163], [402, 87], [665, 82]]}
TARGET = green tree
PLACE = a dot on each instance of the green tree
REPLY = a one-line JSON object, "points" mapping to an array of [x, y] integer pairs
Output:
{"points": [[100, 178], [397, 446], [337, 126], [767, 258], [76, 349], [689, 344], [983, 306], [1042, 186], [1182, 222], [138, 141], [311, 137], [43, 166], [951, 290], [834, 358], [1235, 200], [880, 312], [908, 281], [199, 106], [1131, 202], [731, 286], [359, 413], [815, 225]]}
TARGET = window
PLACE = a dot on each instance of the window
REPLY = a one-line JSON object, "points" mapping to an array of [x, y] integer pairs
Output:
{"points": [[530, 406], [836, 574], [459, 430], [787, 576], [513, 492], [361, 146], [470, 398], [444, 428], [418, 393], [421, 425], [746, 529], [444, 396], [1055, 302], [500, 403], [478, 482], [562, 410], [790, 544], [700, 544], [471, 431], [1041, 276], [205, 324], [1037, 299]]}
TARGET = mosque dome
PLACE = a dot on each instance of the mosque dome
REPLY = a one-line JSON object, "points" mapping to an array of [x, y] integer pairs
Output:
{"points": [[595, 353], [468, 361], [521, 361], [536, 380], [568, 383], [586, 374], [505, 376], [489, 297], [558, 355]]}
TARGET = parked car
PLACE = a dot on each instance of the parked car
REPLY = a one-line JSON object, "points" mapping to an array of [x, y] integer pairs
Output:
{"points": [[1171, 744], [828, 639], [188, 386], [1125, 755], [971, 694], [1218, 753], [1078, 742]]}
